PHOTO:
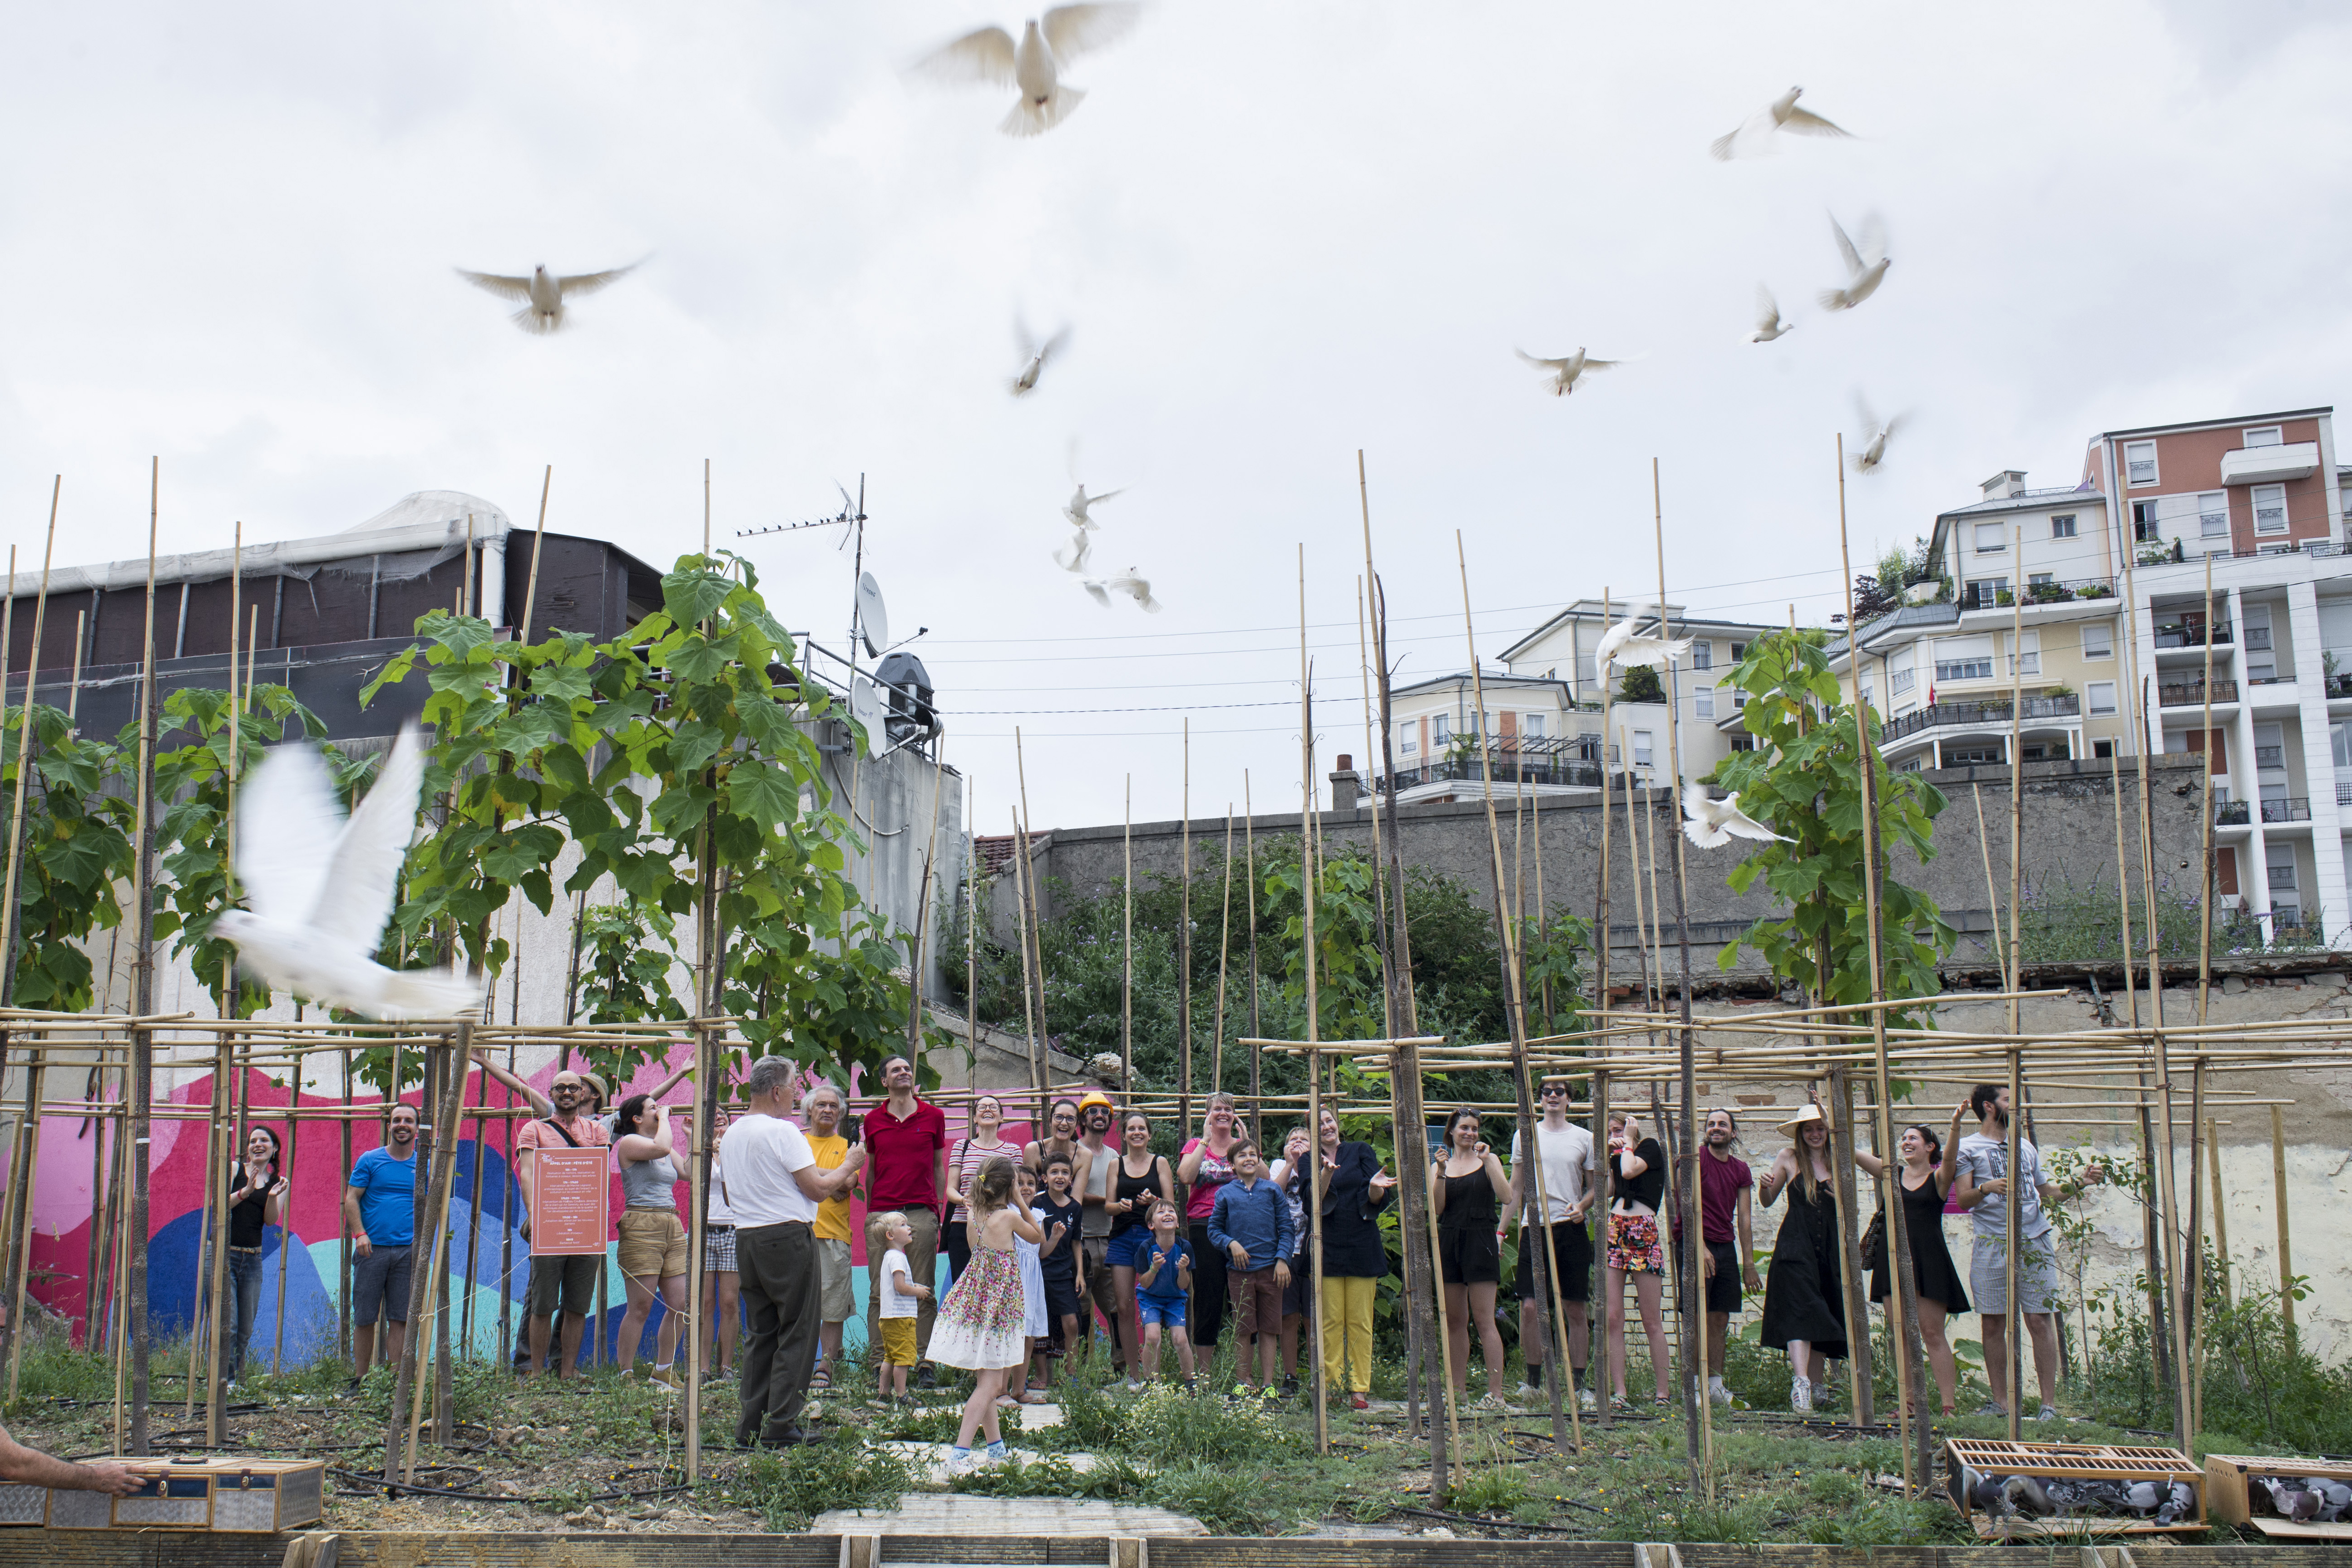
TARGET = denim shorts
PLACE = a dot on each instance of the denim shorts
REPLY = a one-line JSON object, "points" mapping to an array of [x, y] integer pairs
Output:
{"points": [[1121, 1253], [1166, 1311]]}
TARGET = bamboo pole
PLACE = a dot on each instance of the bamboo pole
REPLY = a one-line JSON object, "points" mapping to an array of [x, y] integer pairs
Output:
{"points": [[286, 1216], [25, 758], [1314, 1069], [425, 1299], [1602, 939], [916, 971], [73, 692], [1514, 991], [1225, 943], [138, 1089], [2194, 1286], [2220, 1209], [1034, 899], [1127, 949], [1021, 931], [971, 929], [1408, 1130], [2278, 1201], [708, 1092], [1249, 880], [1909, 1355], [24, 1168], [1184, 942], [1380, 862]]}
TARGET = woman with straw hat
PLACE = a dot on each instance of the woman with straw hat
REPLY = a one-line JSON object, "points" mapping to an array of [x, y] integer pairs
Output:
{"points": [[1804, 1295]]}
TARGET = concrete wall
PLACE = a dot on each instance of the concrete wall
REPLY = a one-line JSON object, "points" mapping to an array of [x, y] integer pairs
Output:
{"points": [[2069, 835]]}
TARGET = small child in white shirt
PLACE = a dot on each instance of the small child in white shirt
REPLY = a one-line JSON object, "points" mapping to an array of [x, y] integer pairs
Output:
{"points": [[887, 1235]]}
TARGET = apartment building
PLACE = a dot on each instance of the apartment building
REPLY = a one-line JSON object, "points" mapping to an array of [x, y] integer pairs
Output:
{"points": [[2259, 501], [1545, 712], [2021, 590]]}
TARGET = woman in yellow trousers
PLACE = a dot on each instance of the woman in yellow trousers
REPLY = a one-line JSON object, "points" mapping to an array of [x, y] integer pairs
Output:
{"points": [[1355, 1189]]}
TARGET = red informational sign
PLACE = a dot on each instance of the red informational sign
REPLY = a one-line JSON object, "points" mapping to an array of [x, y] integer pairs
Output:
{"points": [[569, 1194]]}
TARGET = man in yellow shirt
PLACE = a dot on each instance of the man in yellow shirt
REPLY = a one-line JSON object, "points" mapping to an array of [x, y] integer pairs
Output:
{"points": [[823, 1108]]}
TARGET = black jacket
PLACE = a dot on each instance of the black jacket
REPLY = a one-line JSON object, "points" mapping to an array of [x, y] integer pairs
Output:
{"points": [[1352, 1248]]}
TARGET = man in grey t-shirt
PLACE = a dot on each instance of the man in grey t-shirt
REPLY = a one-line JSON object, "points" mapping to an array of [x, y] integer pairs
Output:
{"points": [[1983, 1189]]}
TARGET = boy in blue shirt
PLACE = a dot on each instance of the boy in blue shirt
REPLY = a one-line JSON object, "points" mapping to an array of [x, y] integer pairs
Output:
{"points": [[1163, 1284], [1252, 1223]]}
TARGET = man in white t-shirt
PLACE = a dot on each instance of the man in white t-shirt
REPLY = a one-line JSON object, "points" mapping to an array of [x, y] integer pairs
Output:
{"points": [[1568, 1169], [771, 1183]]}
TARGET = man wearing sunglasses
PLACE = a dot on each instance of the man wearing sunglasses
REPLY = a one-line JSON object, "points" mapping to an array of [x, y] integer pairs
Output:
{"points": [[1567, 1193]]}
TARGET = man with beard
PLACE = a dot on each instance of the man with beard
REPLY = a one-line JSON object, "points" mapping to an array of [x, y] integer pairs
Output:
{"points": [[1095, 1171], [1983, 1190], [380, 1215], [905, 1142], [1727, 1223], [569, 1281]]}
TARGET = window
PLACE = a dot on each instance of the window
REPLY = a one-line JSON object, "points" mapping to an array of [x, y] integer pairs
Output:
{"points": [[2103, 748], [2267, 436], [2258, 627], [2270, 509], [1738, 651], [1411, 740], [1898, 681], [2099, 639], [1702, 654], [1440, 729], [1738, 699], [2103, 700], [1992, 537], [1984, 592], [1704, 695], [1531, 724], [1971, 756], [2287, 915], [1963, 669], [1869, 699], [2145, 529], [1743, 741], [1641, 748], [2280, 859], [2139, 462], [2026, 657], [2040, 579], [2062, 526], [2339, 737], [2214, 514]]}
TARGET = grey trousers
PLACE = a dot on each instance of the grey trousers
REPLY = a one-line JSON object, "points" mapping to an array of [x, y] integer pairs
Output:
{"points": [[923, 1267], [782, 1289]]}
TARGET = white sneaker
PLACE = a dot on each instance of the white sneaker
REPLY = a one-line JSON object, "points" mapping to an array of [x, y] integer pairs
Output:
{"points": [[1801, 1394], [1526, 1394], [1587, 1401], [1717, 1393]]}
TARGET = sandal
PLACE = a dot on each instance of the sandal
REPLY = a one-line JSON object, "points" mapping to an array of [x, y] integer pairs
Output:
{"points": [[1621, 1405], [820, 1380]]}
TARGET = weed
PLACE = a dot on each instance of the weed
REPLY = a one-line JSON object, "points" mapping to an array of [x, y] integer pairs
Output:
{"points": [[795, 1486], [1228, 1499], [1495, 1490], [1167, 1425]]}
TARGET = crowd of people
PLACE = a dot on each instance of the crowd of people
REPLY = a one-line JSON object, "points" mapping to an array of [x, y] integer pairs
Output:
{"points": [[1087, 1236]]}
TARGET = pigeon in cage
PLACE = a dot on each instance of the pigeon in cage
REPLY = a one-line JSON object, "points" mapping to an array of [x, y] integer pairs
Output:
{"points": [[2294, 1500]]}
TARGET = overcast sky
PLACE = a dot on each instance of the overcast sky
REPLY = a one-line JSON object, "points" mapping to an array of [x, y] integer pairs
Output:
{"points": [[1280, 232]]}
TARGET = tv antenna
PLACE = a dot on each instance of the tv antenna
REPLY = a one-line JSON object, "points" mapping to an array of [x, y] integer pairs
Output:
{"points": [[851, 515]]}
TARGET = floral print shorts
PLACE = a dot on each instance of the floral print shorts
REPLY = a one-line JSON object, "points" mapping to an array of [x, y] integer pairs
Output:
{"points": [[1633, 1246]]}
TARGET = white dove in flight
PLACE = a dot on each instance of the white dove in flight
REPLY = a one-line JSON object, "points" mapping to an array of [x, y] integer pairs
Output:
{"points": [[1079, 510], [1100, 589], [1033, 355], [1035, 64], [1755, 133], [1875, 433], [322, 888], [543, 294], [1712, 824], [1865, 267], [1769, 324], [1072, 556], [1622, 646], [1564, 372]]}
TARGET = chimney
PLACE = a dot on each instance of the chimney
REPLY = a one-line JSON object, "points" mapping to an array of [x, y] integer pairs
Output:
{"points": [[2006, 484], [1345, 785]]}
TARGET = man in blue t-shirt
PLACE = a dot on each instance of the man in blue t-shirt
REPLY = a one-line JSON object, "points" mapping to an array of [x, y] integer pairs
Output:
{"points": [[380, 1215]]}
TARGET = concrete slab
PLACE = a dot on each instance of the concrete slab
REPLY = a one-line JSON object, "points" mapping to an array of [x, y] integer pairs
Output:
{"points": [[950, 1513], [930, 1460]]}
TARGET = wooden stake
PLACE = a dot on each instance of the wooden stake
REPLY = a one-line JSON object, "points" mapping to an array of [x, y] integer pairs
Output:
{"points": [[1249, 884], [1602, 940], [1034, 897], [2278, 1201], [139, 1089], [1127, 949], [25, 758], [531, 591], [1910, 1353], [1314, 1068], [408, 1390], [1184, 945], [1224, 945], [971, 929], [1020, 923]]}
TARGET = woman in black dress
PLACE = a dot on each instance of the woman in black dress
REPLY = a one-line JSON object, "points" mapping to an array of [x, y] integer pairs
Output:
{"points": [[1467, 1181], [1804, 1294], [1926, 1181]]}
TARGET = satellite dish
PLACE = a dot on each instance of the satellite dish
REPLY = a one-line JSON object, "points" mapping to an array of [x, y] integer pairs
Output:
{"points": [[865, 707], [873, 620]]}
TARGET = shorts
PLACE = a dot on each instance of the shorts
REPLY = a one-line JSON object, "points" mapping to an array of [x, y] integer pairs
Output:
{"points": [[570, 1279], [1298, 1296], [380, 1284], [1165, 1311], [2037, 1275], [653, 1245], [836, 1300], [719, 1249], [1469, 1256], [897, 1341], [1257, 1302], [1125, 1244], [1061, 1301], [1723, 1290], [1633, 1245], [1571, 1260]]}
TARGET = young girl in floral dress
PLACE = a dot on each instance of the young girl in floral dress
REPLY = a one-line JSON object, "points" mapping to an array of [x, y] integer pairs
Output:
{"points": [[981, 1322]]}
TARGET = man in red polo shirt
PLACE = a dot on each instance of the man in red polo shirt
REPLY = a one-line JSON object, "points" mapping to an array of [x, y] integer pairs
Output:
{"points": [[906, 1168]]}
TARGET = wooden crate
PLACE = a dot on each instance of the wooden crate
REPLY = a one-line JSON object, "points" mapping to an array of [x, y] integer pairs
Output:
{"points": [[2073, 1461], [216, 1493], [2229, 1493]]}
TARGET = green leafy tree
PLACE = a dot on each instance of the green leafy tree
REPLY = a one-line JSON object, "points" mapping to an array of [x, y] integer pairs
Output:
{"points": [[1641, 685], [76, 846], [1804, 782]]}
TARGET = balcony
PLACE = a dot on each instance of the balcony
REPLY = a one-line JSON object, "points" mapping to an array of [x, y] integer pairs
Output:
{"points": [[2233, 812], [2339, 686], [2344, 792], [2193, 694], [2270, 756], [2286, 808], [1986, 595], [1984, 714], [2269, 465], [2188, 634], [1571, 761]]}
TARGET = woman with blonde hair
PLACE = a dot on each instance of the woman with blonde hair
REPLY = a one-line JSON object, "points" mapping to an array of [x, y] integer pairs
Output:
{"points": [[1804, 1291]]}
